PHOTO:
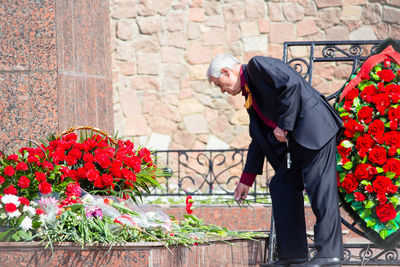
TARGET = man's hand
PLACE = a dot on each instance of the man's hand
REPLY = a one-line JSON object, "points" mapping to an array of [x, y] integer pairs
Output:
{"points": [[241, 191], [280, 134]]}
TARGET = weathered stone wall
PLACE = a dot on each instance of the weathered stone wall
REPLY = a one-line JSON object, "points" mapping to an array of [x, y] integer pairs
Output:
{"points": [[161, 50]]}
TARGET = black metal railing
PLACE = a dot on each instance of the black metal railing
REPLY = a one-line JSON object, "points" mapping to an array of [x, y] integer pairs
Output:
{"points": [[205, 173]]}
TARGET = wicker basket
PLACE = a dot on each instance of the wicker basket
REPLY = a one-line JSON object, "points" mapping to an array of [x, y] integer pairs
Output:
{"points": [[87, 128]]}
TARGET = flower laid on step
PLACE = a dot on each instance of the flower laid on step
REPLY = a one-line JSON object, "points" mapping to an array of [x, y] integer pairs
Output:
{"points": [[19, 216]]}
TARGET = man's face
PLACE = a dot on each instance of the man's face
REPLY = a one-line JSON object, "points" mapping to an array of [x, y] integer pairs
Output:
{"points": [[227, 82]]}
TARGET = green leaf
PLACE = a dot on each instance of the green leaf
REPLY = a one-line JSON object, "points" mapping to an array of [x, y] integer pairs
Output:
{"points": [[379, 169], [370, 222], [348, 165], [365, 182], [349, 197], [369, 204], [395, 200], [390, 174], [364, 160], [383, 234], [357, 205]]}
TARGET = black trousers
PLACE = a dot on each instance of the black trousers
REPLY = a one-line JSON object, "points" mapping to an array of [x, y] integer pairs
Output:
{"points": [[314, 170]]}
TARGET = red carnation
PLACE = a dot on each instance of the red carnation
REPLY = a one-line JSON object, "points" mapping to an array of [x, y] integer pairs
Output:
{"points": [[10, 207], [24, 201], [39, 211], [9, 170], [365, 114], [33, 159], [349, 183], [45, 188], [48, 165], [40, 176], [107, 180], [359, 196], [13, 157], [71, 137], [377, 155], [73, 189], [10, 190], [385, 212], [24, 182], [21, 166], [386, 74], [381, 184], [364, 172], [368, 93]]}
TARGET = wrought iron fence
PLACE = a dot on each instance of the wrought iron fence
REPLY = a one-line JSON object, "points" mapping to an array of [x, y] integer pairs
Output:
{"points": [[205, 173]]}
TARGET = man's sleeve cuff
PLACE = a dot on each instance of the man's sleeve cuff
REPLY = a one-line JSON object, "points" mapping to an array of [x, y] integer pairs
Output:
{"points": [[247, 178]]}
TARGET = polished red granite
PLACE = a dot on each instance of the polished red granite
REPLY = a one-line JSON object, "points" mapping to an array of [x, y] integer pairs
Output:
{"points": [[55, 67]]}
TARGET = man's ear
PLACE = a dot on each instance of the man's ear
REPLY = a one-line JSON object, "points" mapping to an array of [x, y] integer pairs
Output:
{"points": [[225, 71]]}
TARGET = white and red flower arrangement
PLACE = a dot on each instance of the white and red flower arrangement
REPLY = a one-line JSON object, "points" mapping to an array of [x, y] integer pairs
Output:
{"points": [[369, 152]]}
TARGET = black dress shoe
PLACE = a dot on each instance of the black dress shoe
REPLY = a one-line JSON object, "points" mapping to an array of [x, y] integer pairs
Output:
{"points": [[320, 262], [283, 263]]}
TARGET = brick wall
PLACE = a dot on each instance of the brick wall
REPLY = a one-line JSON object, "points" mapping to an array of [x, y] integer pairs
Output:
{"points": [[161, 50]]}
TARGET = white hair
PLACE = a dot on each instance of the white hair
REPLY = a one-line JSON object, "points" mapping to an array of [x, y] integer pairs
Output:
{"points": [[219, 62]]}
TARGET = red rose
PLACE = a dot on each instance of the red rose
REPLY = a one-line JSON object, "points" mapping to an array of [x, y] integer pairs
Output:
{"points": [[359, 196], [368, 92], [45, 188], [21, 166], [381, 184], [9, 170], [10, 190], [2, 180], [392, 151], [393, 189], [364, 142], [377, 155], [353, 93], [392, 138], [24, 201], [393, 90], [349, 183], [351, 127], [381, 101], [364, 115], [394, 114], [369, 188], [381, 198], [392, 165], [364, 172], [377, 127], [40, 176], [385, 212], [10, 207], [394, 125], [24, 182], [386, 74]]}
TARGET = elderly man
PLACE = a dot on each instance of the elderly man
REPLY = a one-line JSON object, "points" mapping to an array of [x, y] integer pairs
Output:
{"points": [[286, 113]]}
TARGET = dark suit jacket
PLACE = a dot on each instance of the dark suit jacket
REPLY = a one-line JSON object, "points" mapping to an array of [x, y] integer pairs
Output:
{"points": [[285, 97]]}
